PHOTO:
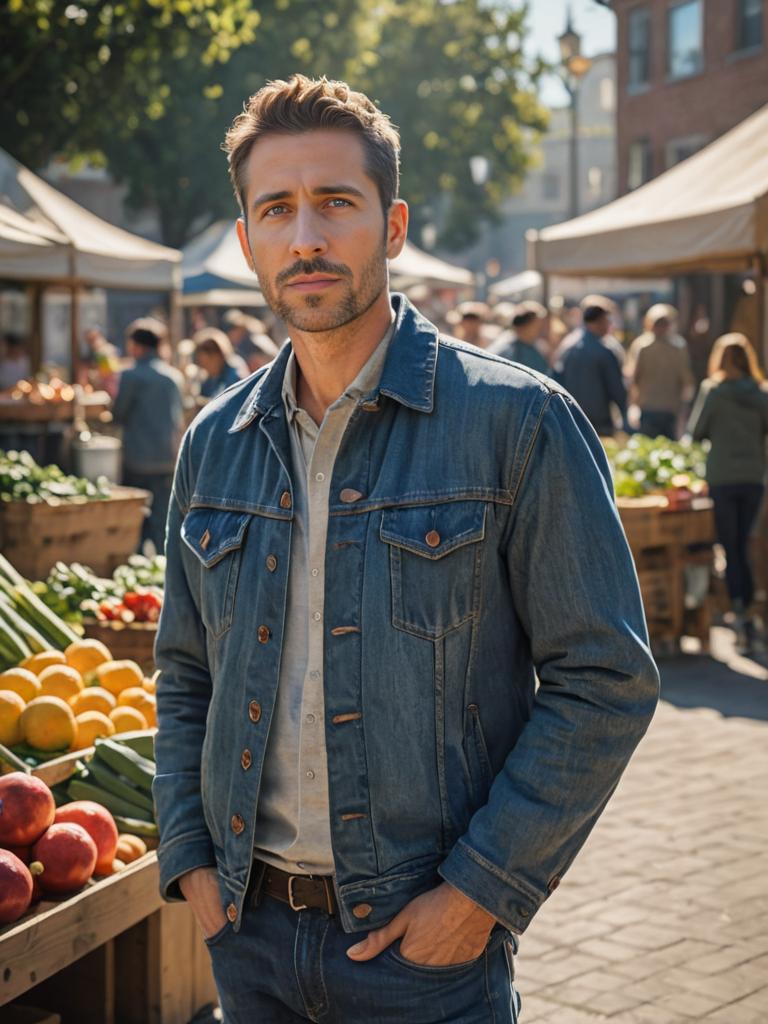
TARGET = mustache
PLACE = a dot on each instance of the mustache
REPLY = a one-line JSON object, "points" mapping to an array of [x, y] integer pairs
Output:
{"points": [[315, 266]]}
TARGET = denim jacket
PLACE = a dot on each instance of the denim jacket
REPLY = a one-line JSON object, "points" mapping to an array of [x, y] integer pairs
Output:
{"points": [[473, 547]]}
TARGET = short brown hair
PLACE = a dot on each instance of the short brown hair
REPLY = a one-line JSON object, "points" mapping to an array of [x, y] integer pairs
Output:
{"points": [[303, 104]]}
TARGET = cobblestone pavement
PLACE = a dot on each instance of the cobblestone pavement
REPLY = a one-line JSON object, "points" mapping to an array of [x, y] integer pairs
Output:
{"points": [[663, 918]]}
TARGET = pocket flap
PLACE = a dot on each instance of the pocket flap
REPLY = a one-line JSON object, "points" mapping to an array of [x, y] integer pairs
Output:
{"points": [[211, 533], [434, 530]]}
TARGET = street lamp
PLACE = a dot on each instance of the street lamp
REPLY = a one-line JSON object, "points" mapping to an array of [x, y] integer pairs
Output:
{"points": [[572, 69]]}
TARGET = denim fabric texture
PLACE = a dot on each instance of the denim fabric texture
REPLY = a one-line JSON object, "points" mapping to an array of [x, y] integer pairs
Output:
{"points": [[284, 967], [473, 543]]}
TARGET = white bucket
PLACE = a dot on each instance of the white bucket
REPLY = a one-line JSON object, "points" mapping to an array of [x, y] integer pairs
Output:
{"points": [[97, 455]]}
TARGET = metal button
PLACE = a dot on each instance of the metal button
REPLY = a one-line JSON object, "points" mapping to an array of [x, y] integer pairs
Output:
{"points": [[285, 499], [310, 719], [263, 633], [232, 912], [319, 477], [246, 760], [237, 824], [349, 495], [553, 883], [205, 540], [317, 616], [433, 538], [362, 910], [271, 563], [315, 572], [523, 912], [254, 711], [310, 774]]}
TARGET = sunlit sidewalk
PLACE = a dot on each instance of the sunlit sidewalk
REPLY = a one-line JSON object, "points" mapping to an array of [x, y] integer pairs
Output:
{"points": [[664, 916]]}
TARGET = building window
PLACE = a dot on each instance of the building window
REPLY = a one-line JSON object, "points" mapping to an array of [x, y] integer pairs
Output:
{"points": [[749, 30], [607, 95], [639, 170], [684, 35], [677, 150], [639, 47], [550, 186]]}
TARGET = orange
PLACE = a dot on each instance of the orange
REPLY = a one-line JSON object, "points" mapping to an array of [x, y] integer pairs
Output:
{"points": [[11, 709], [87, 654], [127, 719], [117, 676], [37, 662], [93, 698], [137, 697], [21, 681], [60, 681], [150, 685], [91, 724], [48, 724]]}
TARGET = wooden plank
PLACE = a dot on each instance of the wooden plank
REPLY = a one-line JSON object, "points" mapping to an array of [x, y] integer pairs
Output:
{"points": [[45, 942], [84, 991]]}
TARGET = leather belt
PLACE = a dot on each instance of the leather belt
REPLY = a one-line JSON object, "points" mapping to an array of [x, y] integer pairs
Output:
{"points": [[300, 892]]}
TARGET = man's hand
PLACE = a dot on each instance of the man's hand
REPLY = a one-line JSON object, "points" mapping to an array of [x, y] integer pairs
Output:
{"points": [[438, 928], [200, 888]]}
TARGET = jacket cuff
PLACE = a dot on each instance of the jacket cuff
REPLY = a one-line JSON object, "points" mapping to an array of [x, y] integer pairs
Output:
{"points": [[511, 903], [180, 855]]}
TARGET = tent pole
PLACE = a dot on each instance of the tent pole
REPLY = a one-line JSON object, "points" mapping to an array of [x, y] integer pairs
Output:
{"points": [[761, 294], [175, 323], [35, 297], [74, 330]]}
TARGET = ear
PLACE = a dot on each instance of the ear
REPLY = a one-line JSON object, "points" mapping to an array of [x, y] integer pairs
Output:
{"points": [[397, 228], [242, 236]]}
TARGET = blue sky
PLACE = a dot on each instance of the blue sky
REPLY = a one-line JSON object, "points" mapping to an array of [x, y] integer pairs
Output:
{"points": [[546, 19]]}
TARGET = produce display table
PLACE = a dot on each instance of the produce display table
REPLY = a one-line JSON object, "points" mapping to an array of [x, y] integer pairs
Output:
{"points": [[665, 544], [113, 954]]}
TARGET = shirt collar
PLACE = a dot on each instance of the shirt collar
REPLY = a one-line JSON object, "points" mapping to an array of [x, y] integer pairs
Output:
{"points": [[408, 375]]}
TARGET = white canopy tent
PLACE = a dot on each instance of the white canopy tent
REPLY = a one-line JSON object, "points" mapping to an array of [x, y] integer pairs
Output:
{"points": [[214, 260], [709, 212], [46, 238]]}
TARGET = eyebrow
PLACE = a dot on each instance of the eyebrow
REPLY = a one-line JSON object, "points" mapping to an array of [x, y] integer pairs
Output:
{"points": [[321, 190]]}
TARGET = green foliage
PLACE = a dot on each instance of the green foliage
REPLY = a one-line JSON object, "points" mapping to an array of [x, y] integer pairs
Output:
{"points": [[148, 87], [646, 464]]}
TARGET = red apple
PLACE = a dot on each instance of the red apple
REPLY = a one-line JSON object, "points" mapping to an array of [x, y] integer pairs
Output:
{"points": [[100, 826], [67, 855], [15, 887], [27, 808]]}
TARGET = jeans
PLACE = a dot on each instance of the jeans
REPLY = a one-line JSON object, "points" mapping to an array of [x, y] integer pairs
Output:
{"points": [[287, 966], [736, 508], [658, 424], [159, 485]]}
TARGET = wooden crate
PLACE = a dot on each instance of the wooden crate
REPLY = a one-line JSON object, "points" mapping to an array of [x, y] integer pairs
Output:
{"points": [[100, 534], [659, 591], [135, 641]]}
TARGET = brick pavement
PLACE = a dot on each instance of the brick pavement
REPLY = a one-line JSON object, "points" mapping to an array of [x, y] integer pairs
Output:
{"points": [[663, 918]]}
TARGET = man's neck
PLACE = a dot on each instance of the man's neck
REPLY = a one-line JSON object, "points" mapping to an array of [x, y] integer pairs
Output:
{"points": [[327, 362]]}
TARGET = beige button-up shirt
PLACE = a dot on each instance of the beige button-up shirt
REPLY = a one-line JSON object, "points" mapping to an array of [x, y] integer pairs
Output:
{"points": [[293, 817]]}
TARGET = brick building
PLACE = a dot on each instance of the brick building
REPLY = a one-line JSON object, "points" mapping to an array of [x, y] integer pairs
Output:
{"points": [[687, 71]]}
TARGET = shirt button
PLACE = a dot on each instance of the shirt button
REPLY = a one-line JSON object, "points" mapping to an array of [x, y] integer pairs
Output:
{"points": [[433, 538], [362, 910], [310, 774], [232, 913], [285, 499], [271, 563], [246, 760], [315, 572], [319, 477], [263, 633], [317, 616], [254, 711], [311, 719], [237, 824], [349, 495], [314, 674]]}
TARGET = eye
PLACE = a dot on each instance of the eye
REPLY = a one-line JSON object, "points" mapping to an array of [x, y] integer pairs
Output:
{"points": [[275, 210], [339, 203]]}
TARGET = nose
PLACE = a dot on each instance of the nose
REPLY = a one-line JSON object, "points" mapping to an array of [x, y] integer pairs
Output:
{"points": [[308, 238]]}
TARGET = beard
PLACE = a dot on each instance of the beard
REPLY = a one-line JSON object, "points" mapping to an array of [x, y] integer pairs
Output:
{"points": [[316, 313]]}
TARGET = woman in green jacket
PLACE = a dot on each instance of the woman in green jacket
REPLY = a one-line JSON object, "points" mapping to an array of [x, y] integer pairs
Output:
{"points": [[732, 412]]}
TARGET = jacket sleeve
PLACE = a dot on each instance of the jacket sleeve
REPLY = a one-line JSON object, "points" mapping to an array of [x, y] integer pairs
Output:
{"points": [[124, 398], [614, 381], [699, 422], [183, 696], [575, 590]]}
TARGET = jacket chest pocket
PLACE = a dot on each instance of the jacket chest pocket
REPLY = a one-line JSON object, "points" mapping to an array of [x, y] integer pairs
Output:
{"points": [[435, 554], [216, 538]]}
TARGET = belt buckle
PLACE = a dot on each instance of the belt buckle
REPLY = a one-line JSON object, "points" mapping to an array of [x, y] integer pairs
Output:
{"points": [[291, 904]]}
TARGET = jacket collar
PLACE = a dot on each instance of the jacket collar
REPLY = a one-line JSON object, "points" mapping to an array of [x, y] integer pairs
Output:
{"points": [[408, 376]]}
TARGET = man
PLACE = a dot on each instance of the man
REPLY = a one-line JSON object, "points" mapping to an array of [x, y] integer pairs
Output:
{"points": [[591, 373], [149, 409], [519, 344], [372, 548], [659, 368], [470, 319]]}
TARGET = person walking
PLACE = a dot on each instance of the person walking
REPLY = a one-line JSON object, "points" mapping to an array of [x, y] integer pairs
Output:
{"points": [[520, 343], [149, 408], [215, 356], [731, 411], [361, 790], [590, 371], [659, 369]]}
